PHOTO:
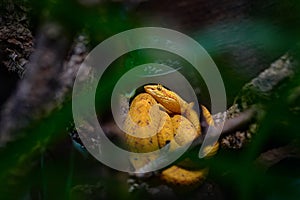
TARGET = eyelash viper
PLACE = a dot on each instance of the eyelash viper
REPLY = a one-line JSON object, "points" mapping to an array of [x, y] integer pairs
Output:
{"points": [[159, 117]]}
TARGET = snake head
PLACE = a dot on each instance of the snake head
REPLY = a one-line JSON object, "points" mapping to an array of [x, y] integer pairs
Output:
{"points": [[165, 97]]}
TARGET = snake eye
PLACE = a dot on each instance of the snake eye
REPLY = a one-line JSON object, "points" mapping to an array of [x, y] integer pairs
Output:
{"points": [[159, 87]]}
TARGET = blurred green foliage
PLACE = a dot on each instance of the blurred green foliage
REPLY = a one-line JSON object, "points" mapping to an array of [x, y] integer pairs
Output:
{"points": [[44, 165]]}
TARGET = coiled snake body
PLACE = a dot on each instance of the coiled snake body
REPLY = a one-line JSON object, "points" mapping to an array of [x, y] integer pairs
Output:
{"points": [[159, 117]]}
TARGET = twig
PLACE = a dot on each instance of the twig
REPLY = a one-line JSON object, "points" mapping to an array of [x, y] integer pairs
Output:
{"points": [[273, 156], [239, 122]]}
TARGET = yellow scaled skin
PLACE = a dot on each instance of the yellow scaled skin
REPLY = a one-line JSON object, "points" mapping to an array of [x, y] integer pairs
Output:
{"points": [[160, 116], [174, 103]]}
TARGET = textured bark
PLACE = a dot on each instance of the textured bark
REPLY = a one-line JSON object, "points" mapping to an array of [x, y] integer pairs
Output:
{"points": [[16, 44], [35, 94]]}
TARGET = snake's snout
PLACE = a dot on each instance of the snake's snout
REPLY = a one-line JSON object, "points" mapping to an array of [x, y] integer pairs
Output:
{"points": [[149, 88]]}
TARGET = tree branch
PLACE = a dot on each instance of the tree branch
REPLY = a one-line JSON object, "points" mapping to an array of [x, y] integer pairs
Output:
{"points": [[36, 92]]}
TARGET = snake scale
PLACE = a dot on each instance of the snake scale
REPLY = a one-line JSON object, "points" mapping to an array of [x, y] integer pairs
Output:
{"points": [[158, 117]]}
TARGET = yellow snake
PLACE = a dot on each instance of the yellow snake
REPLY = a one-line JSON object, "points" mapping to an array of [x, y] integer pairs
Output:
{"points": [[160, 117]]}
